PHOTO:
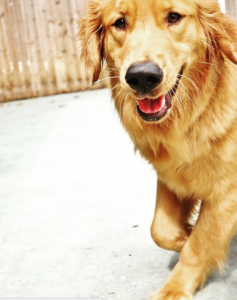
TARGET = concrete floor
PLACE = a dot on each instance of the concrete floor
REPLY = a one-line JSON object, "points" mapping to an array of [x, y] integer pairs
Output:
{"points": [[76, 206]]}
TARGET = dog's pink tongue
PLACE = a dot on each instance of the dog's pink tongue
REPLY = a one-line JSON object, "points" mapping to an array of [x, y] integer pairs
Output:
{"points": [[151, 106]]}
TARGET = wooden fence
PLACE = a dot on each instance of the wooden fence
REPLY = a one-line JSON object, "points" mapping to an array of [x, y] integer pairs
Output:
{"points": [[231, 8], [38, 48]]}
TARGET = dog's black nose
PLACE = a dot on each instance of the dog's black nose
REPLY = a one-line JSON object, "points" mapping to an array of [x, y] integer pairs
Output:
{"points": [[144, 77]]}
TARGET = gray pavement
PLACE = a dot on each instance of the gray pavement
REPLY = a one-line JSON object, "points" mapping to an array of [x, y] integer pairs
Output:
{"points": [[76, 206]]}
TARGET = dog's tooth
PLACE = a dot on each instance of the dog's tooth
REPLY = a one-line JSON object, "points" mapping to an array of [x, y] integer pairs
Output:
{"points": [[163, 101]]}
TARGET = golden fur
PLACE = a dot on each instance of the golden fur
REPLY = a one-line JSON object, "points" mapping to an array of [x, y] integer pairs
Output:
{"points": [[194, 147]]}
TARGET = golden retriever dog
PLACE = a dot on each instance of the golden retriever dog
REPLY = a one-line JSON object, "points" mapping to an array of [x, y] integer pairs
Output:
{"points": [[172, 65]]}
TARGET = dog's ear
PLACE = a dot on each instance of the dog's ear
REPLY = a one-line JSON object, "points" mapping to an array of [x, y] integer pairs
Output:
{"points": [[91, 36], [220, 32]]}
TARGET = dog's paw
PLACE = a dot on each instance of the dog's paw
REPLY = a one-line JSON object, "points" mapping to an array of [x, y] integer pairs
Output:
{"points": [[169, 294]]}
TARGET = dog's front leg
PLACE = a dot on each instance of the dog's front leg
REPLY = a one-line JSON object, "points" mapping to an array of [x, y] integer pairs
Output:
{"points": [[168, 230], [205, 249]]}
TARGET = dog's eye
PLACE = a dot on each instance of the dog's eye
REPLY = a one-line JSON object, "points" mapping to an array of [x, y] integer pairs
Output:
{"points": [[120, 23], [174, 18]]}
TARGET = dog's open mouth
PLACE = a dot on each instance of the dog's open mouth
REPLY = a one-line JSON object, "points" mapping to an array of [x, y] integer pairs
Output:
{"points": [[152, 110]]}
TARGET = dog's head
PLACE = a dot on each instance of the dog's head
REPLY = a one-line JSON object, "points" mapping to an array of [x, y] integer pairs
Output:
{"points": [[156, 49]]}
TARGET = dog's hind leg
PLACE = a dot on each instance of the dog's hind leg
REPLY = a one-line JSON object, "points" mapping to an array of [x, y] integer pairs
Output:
{"points": [[170, 228]]}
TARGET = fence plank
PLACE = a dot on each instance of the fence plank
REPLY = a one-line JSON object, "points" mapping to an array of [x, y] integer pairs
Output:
{"points": [[9, 25], [4, 75], [231, 8]]}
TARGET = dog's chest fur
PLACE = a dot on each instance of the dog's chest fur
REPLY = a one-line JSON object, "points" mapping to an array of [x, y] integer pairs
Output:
{"points": [[193, 168]]}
